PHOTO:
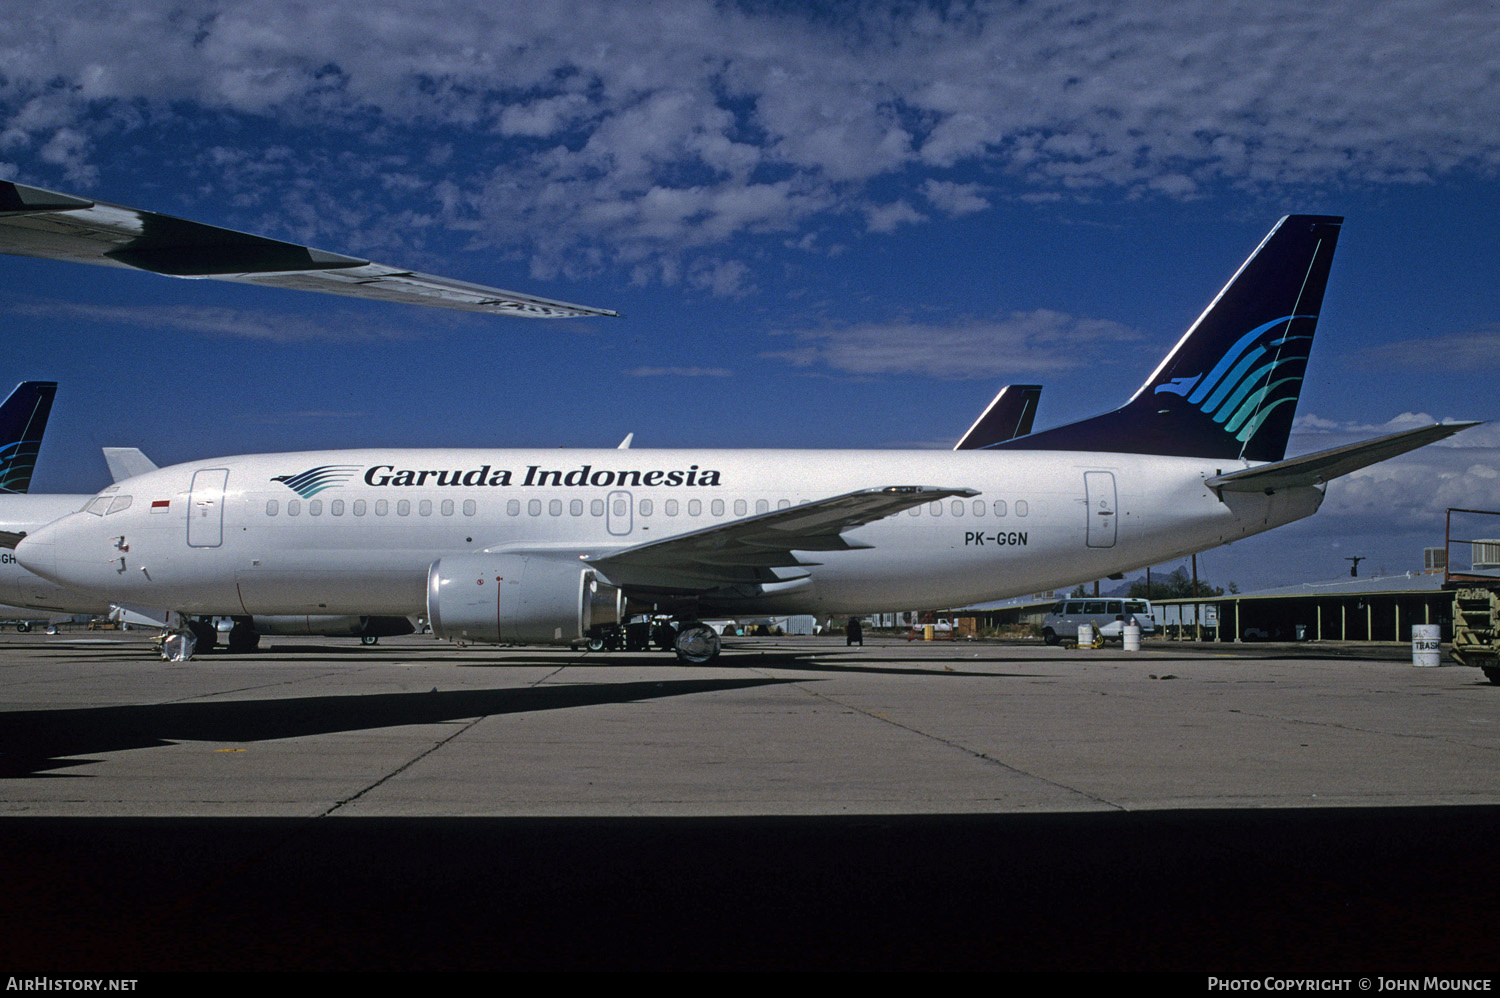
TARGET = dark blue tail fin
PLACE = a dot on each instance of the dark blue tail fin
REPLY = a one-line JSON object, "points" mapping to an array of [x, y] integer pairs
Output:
{"points": [[1009, 415], [1229, 388], [23, 417]]}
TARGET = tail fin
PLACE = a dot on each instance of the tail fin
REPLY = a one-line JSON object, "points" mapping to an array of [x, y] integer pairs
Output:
{"points": [[1229, 388], [1009, 415], [23, 417]]}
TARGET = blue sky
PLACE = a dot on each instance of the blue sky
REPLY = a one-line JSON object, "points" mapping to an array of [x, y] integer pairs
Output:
{"points": [[833, 226]]}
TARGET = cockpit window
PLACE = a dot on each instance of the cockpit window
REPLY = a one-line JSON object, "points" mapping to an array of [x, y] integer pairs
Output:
{"points": [[99, 505], [121, 502]]}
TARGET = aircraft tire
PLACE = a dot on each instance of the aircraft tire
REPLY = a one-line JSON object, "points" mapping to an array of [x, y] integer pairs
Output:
{"points": [[696, 644], [23, 626], [369, 639], [206, 634]]}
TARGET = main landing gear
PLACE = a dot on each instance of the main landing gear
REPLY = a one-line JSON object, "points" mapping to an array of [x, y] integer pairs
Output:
{"points": [[694, 642]]}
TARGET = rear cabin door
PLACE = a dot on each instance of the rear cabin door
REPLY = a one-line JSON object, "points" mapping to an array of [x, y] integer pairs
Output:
{"points": [[1099, 486]]}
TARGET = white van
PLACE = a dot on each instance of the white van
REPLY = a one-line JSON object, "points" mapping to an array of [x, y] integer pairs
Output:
{"points": [[1107, 615]]}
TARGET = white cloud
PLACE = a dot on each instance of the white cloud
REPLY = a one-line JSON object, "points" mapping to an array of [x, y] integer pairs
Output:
{"points": [[590, 133], [1019, 344], [222, 322]]}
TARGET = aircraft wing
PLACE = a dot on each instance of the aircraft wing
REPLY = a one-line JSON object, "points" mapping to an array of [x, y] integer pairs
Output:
{"points": [[41, 223], [1326, 465], [759, 549]]}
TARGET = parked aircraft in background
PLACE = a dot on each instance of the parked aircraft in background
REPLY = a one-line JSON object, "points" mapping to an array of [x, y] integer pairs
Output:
{"points": [[1009, 415], [556, 545], [23, 419], [23, 596], [42, 223]]}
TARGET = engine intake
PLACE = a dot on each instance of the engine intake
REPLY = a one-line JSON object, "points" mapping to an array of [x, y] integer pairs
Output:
{"points": [[525, 598]]}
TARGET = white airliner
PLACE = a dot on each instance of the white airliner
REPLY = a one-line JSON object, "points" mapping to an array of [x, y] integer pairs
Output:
{"points": [[552, 546]]}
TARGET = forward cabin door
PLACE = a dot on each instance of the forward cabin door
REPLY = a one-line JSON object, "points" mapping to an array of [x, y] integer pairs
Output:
{"points": [[205, 527], [1099, 486]]}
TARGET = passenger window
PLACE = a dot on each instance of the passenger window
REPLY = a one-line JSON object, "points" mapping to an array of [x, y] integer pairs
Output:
{"points": [[534, 508], [359, 507], [596, 507], [293, 507], [271, 506], [554, 507], [999, 507], [958, 507], [695, 507], [336, 507], [783, 504], [671, 507], [424, 508], [513, 508], [382, 506], [739, 507], [936, 508], [447, 507], [315, 507], [978, 507], [470, 507], [646, 507], [575, 508], [717, 507], [1022, 508], [403, 507], [762, 506]]}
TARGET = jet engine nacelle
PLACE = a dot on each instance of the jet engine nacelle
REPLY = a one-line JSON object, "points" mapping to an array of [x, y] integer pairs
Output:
{"points": [[525, 598]]}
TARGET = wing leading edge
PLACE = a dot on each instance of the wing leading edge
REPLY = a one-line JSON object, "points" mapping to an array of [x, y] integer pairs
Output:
{"points": [[40, 223], [758, 550]]}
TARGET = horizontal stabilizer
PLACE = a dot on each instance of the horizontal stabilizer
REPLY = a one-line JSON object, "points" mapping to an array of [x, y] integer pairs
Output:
{"points": [[39, 223], [1326, 465], [750, 550]]}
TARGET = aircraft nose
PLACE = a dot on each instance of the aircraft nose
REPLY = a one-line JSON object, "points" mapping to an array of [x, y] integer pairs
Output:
{"points": [[37, 552]]}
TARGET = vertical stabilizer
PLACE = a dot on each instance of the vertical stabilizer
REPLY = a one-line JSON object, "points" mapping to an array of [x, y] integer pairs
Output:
{"points": [[23, 418], [1229, 388], [1008, 416]]}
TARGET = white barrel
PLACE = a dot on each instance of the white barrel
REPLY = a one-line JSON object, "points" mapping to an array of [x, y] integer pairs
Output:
{"points": [[1426, 645], [1131, 637], [1085, 635]]}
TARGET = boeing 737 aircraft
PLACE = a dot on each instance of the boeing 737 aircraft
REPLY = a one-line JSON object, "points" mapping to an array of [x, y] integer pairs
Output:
{"points": [[552, 546], [23, 596]]}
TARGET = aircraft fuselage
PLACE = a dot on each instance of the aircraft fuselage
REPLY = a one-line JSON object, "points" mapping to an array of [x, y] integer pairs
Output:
{"points": [[355, 532]]}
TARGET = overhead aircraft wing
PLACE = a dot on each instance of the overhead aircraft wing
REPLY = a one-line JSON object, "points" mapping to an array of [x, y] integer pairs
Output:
{"points": [[1009, 415], [41, 223], [1326, 465], [127, 462], [759, 549]]}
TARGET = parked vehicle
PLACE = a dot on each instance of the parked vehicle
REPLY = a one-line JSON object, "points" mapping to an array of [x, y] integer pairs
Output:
{"points": [[1108, 616]]}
